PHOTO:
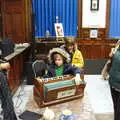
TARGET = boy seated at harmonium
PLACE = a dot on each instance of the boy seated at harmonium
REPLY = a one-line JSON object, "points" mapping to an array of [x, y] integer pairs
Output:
{"points": [[59, 65]]}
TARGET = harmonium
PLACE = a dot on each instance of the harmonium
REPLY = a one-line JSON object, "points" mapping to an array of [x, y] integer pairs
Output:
{"points": [[49, 91]]}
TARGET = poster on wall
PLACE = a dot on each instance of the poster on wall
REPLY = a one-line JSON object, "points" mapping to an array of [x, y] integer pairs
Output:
{"points": [[93, 33], [59, 30], [94, 13]]}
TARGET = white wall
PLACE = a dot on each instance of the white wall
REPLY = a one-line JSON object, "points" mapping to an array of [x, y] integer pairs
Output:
{"points": [[94, 19]]}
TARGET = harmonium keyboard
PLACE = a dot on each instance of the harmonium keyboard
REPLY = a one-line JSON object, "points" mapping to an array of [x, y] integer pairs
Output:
{"points": [[49, 91]]}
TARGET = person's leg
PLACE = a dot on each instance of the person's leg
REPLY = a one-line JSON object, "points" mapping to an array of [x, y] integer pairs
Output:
{"points": [[6, 99], [118, 107], [116, 103]]}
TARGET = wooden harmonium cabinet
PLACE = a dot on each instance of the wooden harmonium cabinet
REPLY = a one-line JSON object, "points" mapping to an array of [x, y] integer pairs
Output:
{"points": [[49, 91]]}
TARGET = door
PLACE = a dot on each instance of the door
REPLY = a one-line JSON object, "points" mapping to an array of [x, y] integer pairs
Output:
{"points": [[14, 20]]}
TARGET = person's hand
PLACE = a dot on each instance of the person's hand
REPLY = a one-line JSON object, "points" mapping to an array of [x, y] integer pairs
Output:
{"points": [[5, 66], [113, 50], [77, 79], [118, 43], [105, 76]]}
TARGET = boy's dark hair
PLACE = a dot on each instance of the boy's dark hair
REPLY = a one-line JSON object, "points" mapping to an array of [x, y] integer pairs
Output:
{"points": [[58, 51], [54, 55]]}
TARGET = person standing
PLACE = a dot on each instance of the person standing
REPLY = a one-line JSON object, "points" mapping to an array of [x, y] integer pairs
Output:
{"points": [[76, 56], [5, 94], [114, 79]]}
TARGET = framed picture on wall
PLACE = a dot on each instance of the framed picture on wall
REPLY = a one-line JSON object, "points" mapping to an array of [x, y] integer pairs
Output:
{"points": [[94, 5], [93, 33], [59, 30]]}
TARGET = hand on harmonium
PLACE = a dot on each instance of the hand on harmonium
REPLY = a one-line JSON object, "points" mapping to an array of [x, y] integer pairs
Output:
{"points": [[78, 80]]}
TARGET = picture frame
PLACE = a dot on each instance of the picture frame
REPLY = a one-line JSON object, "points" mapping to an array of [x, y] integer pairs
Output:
{"points": [[93, 33], [59, 30], [94, 5]]}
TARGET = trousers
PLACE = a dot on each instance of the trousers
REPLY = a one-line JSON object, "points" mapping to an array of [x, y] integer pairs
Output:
{"points": [[116, 102]]}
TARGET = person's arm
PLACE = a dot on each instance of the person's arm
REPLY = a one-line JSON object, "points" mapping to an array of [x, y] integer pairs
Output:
{"points": [[77, 59], [111, 53], [81, 60], [78, 79], [113, 50], [76, 72], [4, 66]]}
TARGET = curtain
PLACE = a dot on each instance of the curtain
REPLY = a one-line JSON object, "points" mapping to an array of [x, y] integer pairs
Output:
{"points": [[114, 19], [45, 16]]}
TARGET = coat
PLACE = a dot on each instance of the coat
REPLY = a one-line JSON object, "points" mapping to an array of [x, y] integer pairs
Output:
{"points": [[77, 59], [114, 72], [68, 69]]}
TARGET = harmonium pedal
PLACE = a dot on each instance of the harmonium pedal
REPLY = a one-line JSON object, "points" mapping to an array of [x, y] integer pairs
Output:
{"points": [[49, 91]]}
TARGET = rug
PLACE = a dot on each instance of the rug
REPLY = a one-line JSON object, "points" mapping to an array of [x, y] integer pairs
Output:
{"points": [[93, 67]]}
